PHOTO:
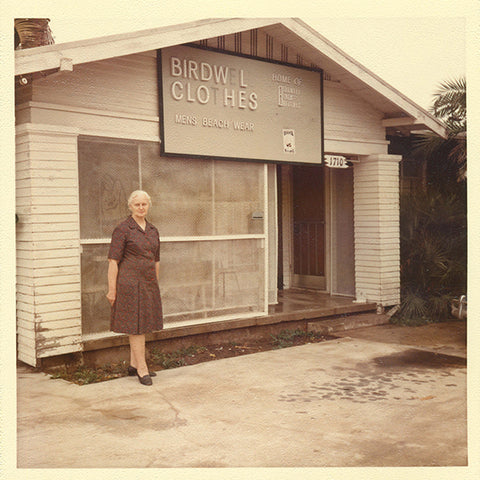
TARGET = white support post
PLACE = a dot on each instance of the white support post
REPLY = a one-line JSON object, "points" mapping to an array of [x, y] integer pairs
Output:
{"points": [[48, 242], [377, 229]]}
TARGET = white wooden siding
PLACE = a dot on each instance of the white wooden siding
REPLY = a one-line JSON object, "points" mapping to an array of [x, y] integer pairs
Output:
{"points": [[92, 121], [349, 117], [48, 260], [125, 84], [377, 229]]}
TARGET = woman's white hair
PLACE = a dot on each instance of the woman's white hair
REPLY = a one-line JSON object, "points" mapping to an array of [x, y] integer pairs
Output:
{"points": [[136, 194]]}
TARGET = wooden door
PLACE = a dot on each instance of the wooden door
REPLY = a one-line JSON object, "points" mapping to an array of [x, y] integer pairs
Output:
{"points": [[309, 227]]}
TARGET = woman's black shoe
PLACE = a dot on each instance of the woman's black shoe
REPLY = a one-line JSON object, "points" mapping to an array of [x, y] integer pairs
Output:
{"points": [[132, 371], [145, 380]]}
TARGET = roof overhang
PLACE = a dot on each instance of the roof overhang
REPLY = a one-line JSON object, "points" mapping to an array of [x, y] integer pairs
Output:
{"points": [[83, 51], [401, 114]]}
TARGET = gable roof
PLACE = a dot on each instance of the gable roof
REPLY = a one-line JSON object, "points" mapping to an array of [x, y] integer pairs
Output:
{"points": [[400, 113]]}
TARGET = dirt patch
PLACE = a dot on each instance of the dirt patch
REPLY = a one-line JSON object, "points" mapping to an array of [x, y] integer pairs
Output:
{"points": [[160, 360], [420, 358]]}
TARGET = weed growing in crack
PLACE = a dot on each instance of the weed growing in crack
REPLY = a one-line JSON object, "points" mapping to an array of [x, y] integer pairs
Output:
{"points": [[287, 338], [175, 359]]}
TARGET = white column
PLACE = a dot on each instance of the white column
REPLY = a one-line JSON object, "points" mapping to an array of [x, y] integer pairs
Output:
{"points": [[287, 225], [48, 242], [272, 234], [377, 229]]}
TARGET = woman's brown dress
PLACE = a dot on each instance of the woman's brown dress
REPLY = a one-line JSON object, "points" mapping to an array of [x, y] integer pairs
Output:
{"points": [[138, 306]]}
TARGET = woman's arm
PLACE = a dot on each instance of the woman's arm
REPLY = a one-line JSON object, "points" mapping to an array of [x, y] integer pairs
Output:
{"points": [[157, 270], [112, 280]]}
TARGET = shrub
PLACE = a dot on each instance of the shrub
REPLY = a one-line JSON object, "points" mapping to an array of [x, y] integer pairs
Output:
{"points": [[433, 255]]}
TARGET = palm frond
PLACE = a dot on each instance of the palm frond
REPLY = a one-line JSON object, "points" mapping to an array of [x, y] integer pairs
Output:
{"points": [[450, 103]]}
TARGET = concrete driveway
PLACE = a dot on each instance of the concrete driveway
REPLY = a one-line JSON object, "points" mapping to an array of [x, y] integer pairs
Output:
{"points": [[349, 402]]}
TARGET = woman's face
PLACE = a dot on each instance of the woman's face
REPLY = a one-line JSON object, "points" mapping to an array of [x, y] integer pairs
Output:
{"points": [[139, 206]]}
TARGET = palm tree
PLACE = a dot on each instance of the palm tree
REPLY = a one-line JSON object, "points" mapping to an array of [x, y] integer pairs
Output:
{"points": [[32, 32]]}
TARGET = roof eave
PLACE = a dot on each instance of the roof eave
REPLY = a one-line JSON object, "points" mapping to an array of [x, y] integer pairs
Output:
{"points": [[95, 49], [432, 124], [409, 124]]}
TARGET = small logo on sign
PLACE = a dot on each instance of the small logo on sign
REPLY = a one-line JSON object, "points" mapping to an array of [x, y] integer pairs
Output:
{"points": [[288, 141]]}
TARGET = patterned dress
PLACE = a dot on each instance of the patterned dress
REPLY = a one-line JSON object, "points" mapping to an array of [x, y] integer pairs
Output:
{"points": [[138, 306]]}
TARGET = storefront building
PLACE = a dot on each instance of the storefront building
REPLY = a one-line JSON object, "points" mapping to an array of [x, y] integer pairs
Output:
{"points": [[262, 145]]}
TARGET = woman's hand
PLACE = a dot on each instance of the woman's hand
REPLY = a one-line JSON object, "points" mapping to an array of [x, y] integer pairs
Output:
{"points": [[111, 296], [112, 280]]}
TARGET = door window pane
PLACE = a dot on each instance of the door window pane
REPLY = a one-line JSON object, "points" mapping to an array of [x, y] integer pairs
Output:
{"points": [[343, 255]]}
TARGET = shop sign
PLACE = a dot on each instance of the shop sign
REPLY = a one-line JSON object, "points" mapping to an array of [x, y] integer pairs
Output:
{"points": [[228, 106], [335, 161]]}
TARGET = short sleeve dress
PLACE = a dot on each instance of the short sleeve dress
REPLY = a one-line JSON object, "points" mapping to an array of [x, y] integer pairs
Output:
{"points": [[138, 307]]}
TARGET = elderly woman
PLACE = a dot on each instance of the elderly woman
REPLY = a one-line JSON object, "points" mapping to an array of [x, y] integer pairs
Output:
{"points": [[133, 290]]}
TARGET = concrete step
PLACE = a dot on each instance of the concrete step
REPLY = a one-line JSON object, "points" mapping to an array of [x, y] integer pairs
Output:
{"points": [[340, 324]]}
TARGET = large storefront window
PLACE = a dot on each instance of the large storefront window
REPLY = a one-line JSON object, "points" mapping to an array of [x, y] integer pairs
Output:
{"points": [[212, 220]]}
